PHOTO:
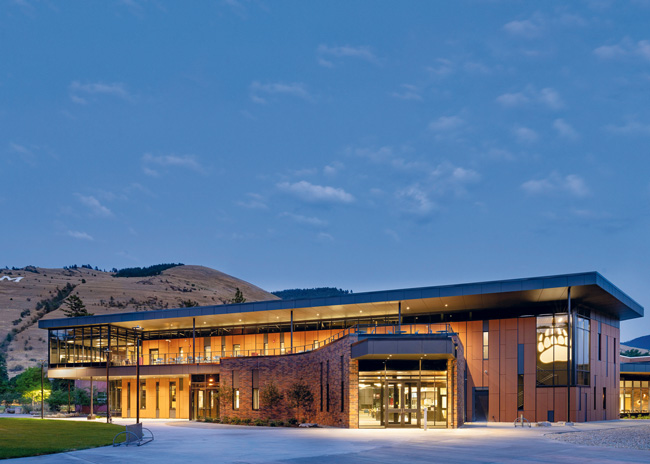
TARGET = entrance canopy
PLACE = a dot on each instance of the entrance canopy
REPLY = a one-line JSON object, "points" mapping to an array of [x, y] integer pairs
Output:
{"points": [[429, 346]]}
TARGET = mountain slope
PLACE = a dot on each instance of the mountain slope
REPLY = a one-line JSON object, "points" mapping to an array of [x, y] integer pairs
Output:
{"points": [[639, 342], [22, 290]]}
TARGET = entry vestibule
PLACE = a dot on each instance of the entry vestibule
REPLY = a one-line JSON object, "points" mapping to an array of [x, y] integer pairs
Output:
{"points": [[392, 397]]}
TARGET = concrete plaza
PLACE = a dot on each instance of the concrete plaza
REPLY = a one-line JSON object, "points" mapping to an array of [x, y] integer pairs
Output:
{"points": [[190, 442]]}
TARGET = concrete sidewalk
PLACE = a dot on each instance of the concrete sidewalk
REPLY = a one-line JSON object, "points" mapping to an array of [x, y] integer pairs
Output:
{"points": [[188, 442]]}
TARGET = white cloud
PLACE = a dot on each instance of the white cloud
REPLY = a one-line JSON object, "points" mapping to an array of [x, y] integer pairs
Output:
{"points": [[443, 67], [386, 155], [630, 128], [294, 89], [171, 161], [80, 235], [392, 234], [446, 178], [555, 183], [526, 28], [408, 92], [512, 99], [446, 124], [253, 201], [305, 220], [115, 89], [417, 200], [324, 237], [626, 48], [347, 51], [547, 96], [95, 206], [525, 134], [564, 129], [333, 168], [316, 193]]}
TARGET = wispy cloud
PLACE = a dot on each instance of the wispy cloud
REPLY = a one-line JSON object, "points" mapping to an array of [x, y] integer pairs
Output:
{"points": [[80, 235], [152, 163], [304, 220], [259, 92], [388, 156], [626, 48], [79, 92], [632, 127], [446, 124], [525, 28], [326, 53], [442, 67], [408, 92], [556, 183], [96, 208], [525, 134], [253, 201], [316, 193], [26, 154], [564, 129], [547, 96]]}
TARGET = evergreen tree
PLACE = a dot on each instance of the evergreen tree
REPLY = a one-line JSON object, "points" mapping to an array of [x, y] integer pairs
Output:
{"points": [[239, 297], [76, 307]]}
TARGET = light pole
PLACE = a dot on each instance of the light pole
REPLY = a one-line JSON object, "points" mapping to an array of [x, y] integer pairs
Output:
{"points": [[137, 373], [108, 388], [42, 362]]}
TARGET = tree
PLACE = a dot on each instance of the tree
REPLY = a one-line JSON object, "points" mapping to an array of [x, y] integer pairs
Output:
{"points": [[4, 376], [188, 303], [239, 297], [300, 397], [633, 353], [76, 307], [224, 397], [28, 384], [271, 397]]}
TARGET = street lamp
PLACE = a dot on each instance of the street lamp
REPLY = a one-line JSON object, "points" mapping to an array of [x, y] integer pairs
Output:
{"points": [[42, 363], [108, 387], [137, 374]]}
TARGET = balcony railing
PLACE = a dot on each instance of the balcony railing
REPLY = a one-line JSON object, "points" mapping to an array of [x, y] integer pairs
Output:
{"points": [[215, 357]]}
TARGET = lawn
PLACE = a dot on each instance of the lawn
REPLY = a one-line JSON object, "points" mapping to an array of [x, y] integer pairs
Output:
{"points": [[31, 437]]}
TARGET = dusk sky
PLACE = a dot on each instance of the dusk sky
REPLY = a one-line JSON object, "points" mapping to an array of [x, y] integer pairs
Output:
{"points": [[362, 145]]}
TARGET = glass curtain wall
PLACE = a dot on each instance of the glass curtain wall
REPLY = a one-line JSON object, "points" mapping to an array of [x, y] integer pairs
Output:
{"points": [[87, 345], [552, 350], [634, 396]]}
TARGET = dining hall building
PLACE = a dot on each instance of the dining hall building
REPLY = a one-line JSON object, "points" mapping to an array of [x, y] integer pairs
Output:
{"points": [[490, 351]]}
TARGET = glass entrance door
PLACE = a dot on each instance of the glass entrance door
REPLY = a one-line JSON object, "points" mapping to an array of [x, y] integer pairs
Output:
{"points": [[403, 404]]}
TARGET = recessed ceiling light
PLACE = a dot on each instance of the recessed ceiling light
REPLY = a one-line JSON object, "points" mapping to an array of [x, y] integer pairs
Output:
{"points": [[318, 314], [446, 305], [408, 307], [360, 311]]}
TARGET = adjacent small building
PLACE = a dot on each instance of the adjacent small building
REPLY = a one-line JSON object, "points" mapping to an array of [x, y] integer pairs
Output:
{"points": [[545, 348]]}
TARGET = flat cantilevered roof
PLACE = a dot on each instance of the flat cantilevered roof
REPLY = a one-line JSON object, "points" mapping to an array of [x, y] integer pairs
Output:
{"points": [[589, 288]]}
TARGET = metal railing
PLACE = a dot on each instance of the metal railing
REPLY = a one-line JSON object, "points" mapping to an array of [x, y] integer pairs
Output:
{"points": [[215, 357]]}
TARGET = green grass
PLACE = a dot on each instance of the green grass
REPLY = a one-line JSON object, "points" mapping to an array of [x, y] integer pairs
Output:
{"points": [[31, 437]]}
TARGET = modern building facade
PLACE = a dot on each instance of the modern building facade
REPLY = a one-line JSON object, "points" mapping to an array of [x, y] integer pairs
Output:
{"points": [[491, 351], [635, 386]]}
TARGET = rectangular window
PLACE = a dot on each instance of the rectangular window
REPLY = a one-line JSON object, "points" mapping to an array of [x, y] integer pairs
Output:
{"points": [[606, 355], [157, 395], [282, 349], [235, 399], [342, 384], [486, 339], [321, 387], [235, 350], [595, 398], [604, 397], [600, 346], [582, 351], [552, 350], [327, 388], [256, 389], [615, 352], [128, 395], [266, 349], [143, 394], [256, 399], [172, 395], [520, 392]]}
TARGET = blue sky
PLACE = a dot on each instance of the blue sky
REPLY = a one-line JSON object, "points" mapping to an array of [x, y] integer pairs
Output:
{"points": [[363, 145]]}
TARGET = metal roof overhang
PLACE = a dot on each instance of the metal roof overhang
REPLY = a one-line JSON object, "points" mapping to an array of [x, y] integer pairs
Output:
{"points": [[433, 346], [590, 289]]}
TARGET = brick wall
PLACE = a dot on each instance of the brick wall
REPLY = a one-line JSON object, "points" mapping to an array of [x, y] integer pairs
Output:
{"points": [[288, 369]]}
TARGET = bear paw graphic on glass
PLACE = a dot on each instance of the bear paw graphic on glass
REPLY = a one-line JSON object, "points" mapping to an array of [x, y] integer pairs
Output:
{"points": [[555, 337]]}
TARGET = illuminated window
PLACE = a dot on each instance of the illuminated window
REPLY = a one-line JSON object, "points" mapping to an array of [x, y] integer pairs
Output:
{"points": [[235, 398], [582, 350], [552, 350], [486, 338], [143, 395]]}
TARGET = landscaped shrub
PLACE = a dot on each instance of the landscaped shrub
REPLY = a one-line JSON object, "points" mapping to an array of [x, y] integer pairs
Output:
{"points": [[259, 422], [225, 420], [293, 421], [236, 420], [272, 423], [246, 421]]}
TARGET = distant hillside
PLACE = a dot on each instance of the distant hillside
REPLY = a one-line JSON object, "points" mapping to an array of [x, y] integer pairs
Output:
{"points": [[30, 294], [640, 342], [320, 292]]}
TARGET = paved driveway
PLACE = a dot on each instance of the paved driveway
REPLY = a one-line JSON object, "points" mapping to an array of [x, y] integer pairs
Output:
{"points": [[186, 442]]}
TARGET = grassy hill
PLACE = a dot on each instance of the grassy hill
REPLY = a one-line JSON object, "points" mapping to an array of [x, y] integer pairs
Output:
{"points": [[641, 342], [29, 294]]}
